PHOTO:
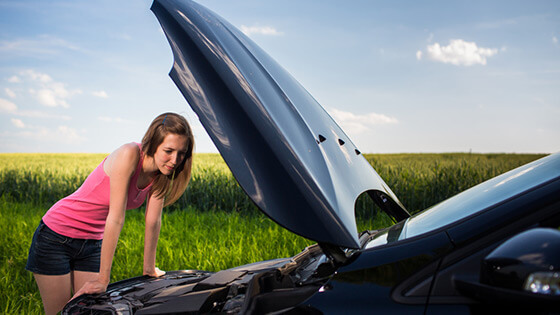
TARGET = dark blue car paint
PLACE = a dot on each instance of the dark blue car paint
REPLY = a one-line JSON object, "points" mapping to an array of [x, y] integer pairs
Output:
{"points": [[286, 152], [406, 274], [367, 282], [294, 129]]}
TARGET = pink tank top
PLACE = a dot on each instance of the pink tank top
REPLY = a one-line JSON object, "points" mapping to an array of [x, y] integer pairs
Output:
{"points": [[83, 213]]}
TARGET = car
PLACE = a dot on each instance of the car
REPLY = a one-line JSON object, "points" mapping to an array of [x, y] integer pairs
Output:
{"points": [[492, 248]]}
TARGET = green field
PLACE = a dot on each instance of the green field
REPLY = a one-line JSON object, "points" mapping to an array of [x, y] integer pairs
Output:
{"points": [[214, 225]]}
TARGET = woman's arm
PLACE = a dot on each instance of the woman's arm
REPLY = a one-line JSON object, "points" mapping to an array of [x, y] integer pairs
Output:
{"points": [[153, 225], [120, 165]]}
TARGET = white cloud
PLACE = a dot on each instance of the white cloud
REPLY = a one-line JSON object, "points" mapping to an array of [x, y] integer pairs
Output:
{"points": [[101, 94], [68, 134], [49, 98], [14, 79], [460, 53], [260, 30], [7, 106], [356, 124], [10, 92], [40, 114], [41, 45], [62, 134], [18, 123], [555, 40], [37, 76], [419, 55], [49, 92], [11, 108]]}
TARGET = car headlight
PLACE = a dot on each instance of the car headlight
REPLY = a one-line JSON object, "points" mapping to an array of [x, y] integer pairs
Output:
{"points": [[543, 282]]}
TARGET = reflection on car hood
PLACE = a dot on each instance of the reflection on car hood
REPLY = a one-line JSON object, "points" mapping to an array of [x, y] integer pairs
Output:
{"points": [[287, 153]]}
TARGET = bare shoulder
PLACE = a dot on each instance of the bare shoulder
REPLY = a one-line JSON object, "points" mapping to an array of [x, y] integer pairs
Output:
{"points": [[123, 159]]}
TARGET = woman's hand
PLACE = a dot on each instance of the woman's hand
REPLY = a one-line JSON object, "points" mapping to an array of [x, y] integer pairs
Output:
{"points": [[156, 272], [91, 287]]}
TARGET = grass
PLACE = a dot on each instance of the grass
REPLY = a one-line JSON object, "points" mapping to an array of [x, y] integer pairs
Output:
{"points": [[189, 239], [19, 292], [214, 226], [419, 180], [422, 180]]}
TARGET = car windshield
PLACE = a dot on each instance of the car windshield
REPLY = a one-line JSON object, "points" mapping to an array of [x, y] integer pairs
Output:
{"points": [[473, 200]]}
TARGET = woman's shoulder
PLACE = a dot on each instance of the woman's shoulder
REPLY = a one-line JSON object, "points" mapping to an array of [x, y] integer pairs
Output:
{"points": [[131, 148], [125, 157]]}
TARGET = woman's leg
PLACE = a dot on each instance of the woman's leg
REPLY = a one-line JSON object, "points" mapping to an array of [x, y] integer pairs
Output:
{"points": [[86, 264], [81, 277], [55, 291]]}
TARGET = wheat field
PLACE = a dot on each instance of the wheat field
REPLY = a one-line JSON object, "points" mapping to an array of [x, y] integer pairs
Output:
{"points": [[214, 225]]}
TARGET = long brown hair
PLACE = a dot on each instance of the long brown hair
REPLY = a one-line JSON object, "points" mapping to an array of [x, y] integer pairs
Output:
{"points": [[170, 186]]}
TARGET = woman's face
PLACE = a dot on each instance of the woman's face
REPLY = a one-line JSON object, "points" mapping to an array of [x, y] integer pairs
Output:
{"points": [[170, 153]]}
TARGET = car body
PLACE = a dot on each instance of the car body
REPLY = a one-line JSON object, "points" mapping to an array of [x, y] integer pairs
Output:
{"points": [[444, 259]]}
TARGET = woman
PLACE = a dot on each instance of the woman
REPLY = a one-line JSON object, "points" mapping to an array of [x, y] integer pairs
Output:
{"points": [[74, 245]]}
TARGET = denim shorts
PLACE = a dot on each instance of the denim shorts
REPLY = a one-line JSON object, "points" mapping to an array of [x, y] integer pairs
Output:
{"points": [[54, 254]]}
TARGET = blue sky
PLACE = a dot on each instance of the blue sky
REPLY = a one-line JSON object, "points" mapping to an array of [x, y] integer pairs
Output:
{"points": [[398, 76]]}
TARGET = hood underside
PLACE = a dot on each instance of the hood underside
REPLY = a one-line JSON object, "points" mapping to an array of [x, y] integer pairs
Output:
{"points": [[287, 153]]}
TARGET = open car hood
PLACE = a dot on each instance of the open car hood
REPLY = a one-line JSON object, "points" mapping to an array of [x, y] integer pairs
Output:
{"points": [[287, 153]]}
